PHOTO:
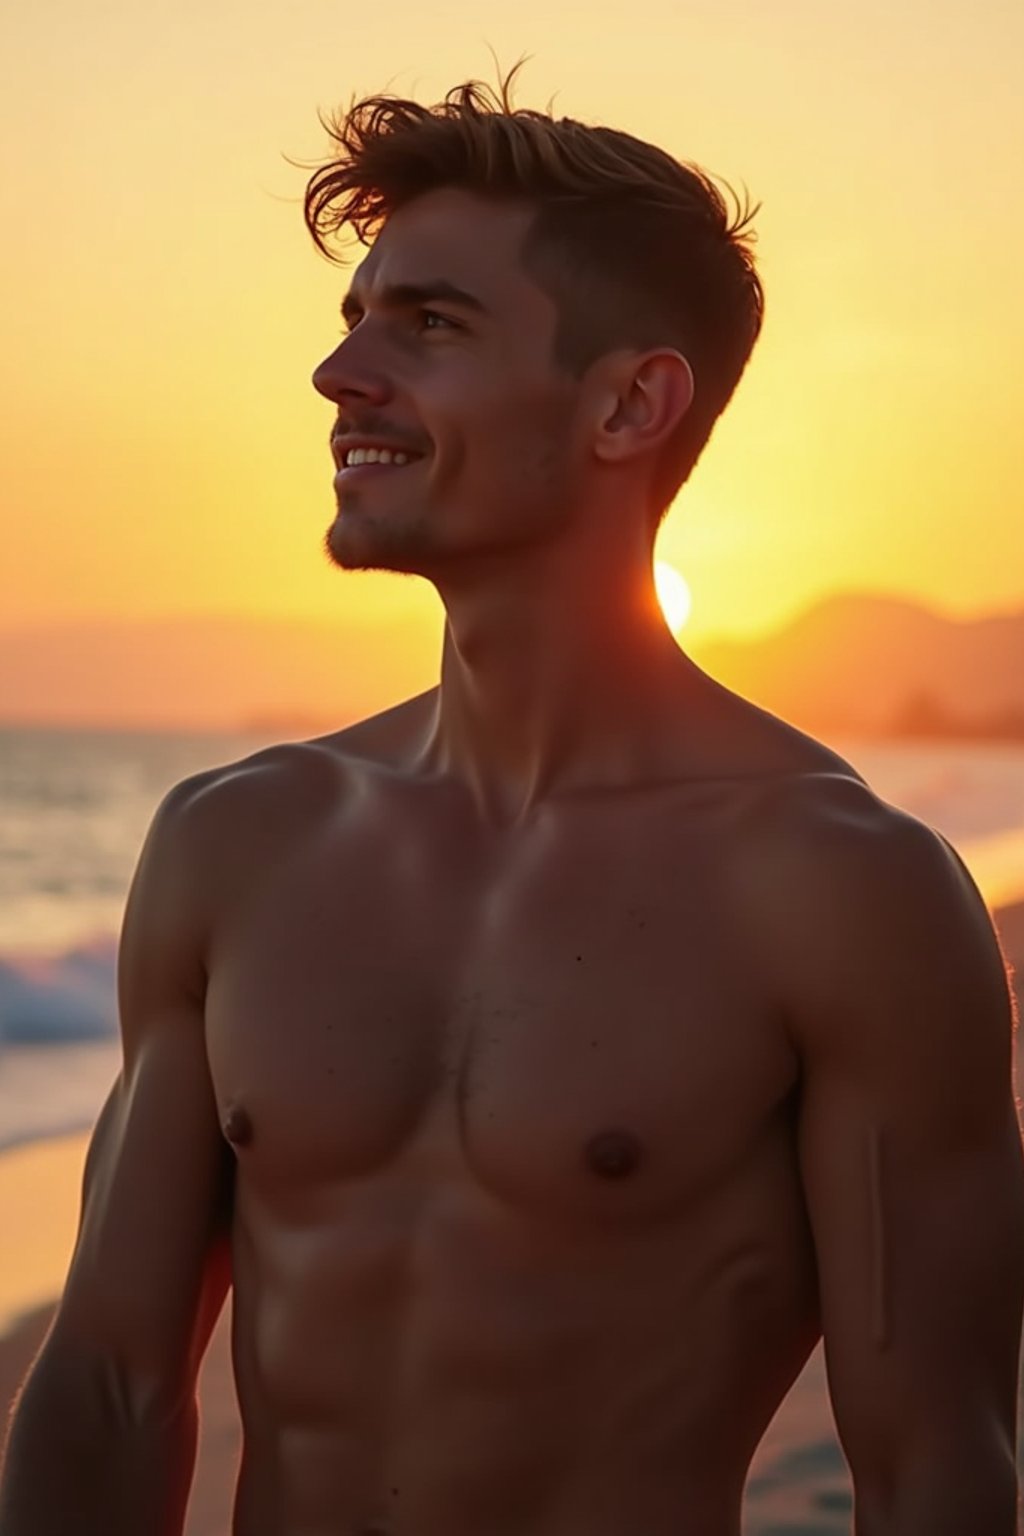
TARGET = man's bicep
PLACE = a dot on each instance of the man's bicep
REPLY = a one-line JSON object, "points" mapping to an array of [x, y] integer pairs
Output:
{"points": [[148, 1273], [909, 1150], [918, 1245]]}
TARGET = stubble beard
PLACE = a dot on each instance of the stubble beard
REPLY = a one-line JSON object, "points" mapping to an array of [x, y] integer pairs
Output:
{"points": [[355, 542], [416, 538]]}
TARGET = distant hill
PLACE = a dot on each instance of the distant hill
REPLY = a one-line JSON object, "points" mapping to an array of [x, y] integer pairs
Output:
{"points": [[851, 663], [858, 662]]}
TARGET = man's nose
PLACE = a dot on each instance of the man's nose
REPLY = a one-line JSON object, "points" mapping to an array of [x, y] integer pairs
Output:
{"points": [[348, 372]]}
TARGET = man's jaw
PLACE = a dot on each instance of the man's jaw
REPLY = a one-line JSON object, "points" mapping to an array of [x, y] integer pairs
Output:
{"points": [[359, 541]]}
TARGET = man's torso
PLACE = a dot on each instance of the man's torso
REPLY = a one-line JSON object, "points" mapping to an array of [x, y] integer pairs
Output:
{"points": [[519, 1241]]}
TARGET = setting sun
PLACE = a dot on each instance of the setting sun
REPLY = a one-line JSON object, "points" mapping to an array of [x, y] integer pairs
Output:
{"points": [[673, 595]]}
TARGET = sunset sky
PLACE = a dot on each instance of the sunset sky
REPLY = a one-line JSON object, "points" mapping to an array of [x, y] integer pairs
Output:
{"points": [[163, 452]]}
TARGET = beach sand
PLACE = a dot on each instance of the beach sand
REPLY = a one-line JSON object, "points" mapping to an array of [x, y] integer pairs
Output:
{"points": [[798, 1485]]}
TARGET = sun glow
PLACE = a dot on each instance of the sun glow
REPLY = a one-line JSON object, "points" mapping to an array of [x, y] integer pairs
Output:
{"points": [[673, 595]]}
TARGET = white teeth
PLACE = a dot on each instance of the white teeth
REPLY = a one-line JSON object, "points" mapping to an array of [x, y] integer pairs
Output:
{"points": [[374, 456]]}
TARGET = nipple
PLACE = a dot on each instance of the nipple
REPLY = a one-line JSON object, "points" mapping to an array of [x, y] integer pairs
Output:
{"points": [[613, 1154], [237, 1126]]}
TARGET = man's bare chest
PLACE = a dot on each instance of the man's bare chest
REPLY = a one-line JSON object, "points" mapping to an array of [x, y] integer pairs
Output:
{"points": [[575, 1024]]}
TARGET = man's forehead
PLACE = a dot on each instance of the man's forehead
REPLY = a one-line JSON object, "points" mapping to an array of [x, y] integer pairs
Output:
{"points": [[473, 242]]}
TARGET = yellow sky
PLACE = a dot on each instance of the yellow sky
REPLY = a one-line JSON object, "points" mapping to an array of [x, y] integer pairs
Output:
{"points": [[164, 453]]}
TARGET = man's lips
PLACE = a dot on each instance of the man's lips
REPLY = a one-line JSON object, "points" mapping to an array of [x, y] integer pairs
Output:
{"points": [[351, 474]]}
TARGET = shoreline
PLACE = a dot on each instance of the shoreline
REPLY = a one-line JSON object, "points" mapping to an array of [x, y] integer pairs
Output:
{"points": [[40, 1192]]}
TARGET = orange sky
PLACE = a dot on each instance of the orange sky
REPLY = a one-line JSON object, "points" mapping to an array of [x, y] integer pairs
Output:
{"points": [[162, 449]]}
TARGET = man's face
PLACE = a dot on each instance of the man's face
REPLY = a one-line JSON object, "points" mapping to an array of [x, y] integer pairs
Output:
{"points": [[448, 357]]}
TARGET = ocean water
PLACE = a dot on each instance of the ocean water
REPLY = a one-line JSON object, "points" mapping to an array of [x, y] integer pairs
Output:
{"points": [[74, 808]]}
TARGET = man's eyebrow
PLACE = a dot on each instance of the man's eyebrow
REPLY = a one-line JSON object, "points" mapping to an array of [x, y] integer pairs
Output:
{"points": [[408, 295]]}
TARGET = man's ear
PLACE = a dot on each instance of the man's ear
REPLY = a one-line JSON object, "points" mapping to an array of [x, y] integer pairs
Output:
{"points": [[641, 402]]}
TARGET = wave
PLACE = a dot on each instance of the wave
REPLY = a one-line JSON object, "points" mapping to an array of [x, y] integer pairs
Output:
{"points": [[60, 999]]}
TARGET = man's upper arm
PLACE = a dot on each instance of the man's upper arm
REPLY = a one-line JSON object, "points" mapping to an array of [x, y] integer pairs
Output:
{"points": [[150, 1267], [910, 1157]]}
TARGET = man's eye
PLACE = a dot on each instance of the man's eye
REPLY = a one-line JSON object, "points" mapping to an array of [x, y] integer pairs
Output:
{"points": [[426, 320], [426, 316]]}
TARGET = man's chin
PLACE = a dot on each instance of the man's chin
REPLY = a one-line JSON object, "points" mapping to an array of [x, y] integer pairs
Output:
{"points": [[353, 546]]}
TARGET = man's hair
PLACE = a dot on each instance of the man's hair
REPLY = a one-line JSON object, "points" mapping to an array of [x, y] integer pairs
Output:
{"points": [[635, 248]]}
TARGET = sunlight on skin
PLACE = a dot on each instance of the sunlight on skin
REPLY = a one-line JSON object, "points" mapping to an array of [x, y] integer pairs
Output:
{"points": [[673, 595]]}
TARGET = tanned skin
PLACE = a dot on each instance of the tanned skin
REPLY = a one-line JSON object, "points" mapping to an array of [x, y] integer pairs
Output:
{"points": [[548, 1061]]}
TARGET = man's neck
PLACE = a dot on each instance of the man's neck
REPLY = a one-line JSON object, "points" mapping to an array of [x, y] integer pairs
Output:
{"points": [[556, 678]]}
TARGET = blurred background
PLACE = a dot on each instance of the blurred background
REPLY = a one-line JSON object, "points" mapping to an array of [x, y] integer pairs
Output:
{"points": [[851, 543]]}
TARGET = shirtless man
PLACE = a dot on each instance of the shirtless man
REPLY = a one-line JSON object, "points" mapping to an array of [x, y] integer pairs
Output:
{"points": [[550, 1060]]}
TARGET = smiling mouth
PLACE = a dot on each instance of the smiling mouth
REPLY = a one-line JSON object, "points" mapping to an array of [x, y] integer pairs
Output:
{"points": [[360, 461], [354, 457]]}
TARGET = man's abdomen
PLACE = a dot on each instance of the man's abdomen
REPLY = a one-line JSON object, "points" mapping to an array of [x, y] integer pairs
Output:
{"points": [[421, 1359]]}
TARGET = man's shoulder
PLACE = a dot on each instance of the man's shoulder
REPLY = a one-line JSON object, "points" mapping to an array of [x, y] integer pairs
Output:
{"points": [[800, 789], [247, 788], [303, 777], [218, 830], [748, 744], [860, 911], [820, 840]]}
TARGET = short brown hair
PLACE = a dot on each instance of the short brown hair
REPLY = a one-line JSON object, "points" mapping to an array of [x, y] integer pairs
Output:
{"points": [[634, 247]]}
